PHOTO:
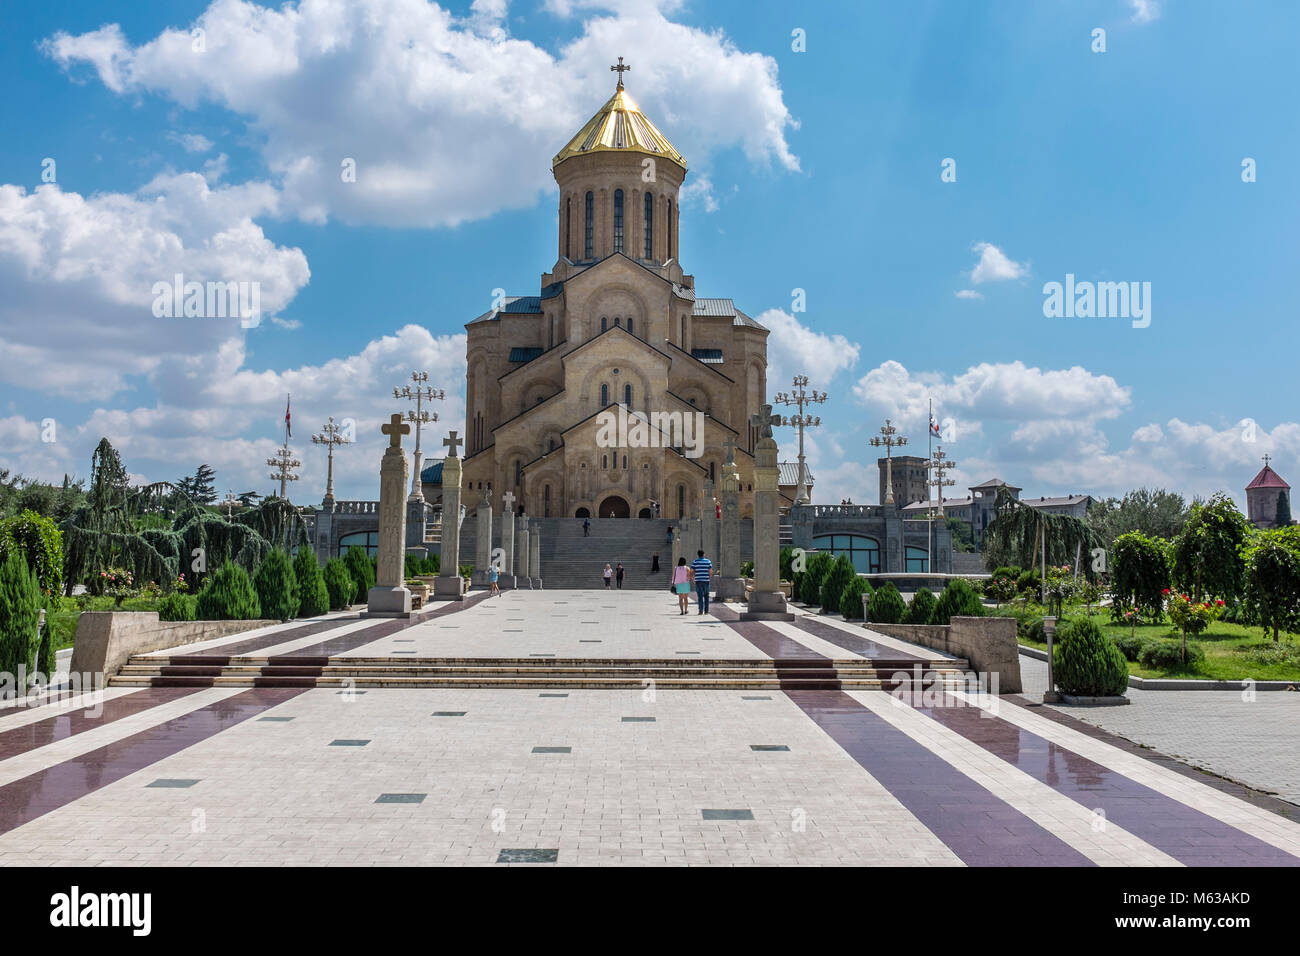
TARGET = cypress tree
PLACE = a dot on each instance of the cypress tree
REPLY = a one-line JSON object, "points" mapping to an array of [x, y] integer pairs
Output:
{"points": [[313, 596], [277, 587]]}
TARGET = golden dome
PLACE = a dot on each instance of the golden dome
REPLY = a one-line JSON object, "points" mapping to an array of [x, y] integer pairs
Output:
{"points": [[619, 125]]}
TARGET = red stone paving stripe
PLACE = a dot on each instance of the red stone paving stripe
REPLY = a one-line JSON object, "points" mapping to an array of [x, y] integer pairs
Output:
{"points": [[851, 642], [1256, 798], [771, 642], [227, 651], [1186, 834], [68, 722], [979, 827], [25, 800]]}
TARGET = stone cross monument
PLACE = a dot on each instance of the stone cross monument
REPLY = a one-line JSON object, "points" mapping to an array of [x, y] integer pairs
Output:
{"points": [[766, 602], [523, 579], [483, 539], [730, 585], [390, 597], [506, 578], [449, 585], [535, 561]]}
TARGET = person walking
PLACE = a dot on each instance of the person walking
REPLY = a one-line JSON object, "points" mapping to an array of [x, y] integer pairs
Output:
{"points": [[670, 534], [493, 586], [607, 574], [654, 563], [586, 527], [701, 571], [618, 575], [682, 585]]}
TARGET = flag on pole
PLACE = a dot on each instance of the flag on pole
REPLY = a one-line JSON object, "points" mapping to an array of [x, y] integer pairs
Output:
{"points": [[934, 427], [288, 424]]}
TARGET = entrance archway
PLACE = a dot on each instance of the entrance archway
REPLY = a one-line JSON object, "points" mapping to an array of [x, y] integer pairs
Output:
{"points": [[615, 506], [582, 513], [644, 513]]}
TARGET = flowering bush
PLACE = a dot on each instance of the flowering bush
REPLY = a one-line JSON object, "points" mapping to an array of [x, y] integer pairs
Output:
{"points": [[1191, 616], [118, 584]]}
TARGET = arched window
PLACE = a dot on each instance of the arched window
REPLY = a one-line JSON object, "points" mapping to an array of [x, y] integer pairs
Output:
{"points": [[546, 497], [618, 320], [863, 552], [519, 472], [918, 562], [681, 501], [627, 395], [629, 325], [683, 331], [604, 395], [649, 226], [604, 461], [604, 323], [668, 224], [590, 234], [625, 462], [360, 539], [712, 473], [568, 227], [618, 220]]}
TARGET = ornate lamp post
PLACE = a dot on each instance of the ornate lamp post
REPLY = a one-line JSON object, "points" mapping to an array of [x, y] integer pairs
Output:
{"points": [[940, 465], [421, 392], [230, 501], [889, 439], [330, 436], [284, 463], [800, 398]]}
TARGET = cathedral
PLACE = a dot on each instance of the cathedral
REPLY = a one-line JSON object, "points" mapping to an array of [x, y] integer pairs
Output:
{"points": [[615, 335]]}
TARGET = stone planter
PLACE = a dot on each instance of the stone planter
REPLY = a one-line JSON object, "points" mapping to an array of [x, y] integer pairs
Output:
{"points": [[1075, 700]]}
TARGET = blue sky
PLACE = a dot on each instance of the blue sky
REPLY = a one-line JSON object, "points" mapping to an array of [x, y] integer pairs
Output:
{"points": [[816, 170]]}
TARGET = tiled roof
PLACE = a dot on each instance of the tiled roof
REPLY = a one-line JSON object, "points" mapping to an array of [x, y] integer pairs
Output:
{"points": [[725, 309], [1267, 478], [525, 353], [788, 473], [708, 356], [947, 503], [1056, 502], [514, 305], [432, 474], [995, 483]]}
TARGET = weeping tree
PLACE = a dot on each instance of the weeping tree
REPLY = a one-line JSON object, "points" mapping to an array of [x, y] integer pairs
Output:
{"points": [[1019, 535]]}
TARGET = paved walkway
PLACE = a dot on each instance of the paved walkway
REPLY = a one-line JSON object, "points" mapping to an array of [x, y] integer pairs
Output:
{"points": [[275, 776], [1256, 742]]}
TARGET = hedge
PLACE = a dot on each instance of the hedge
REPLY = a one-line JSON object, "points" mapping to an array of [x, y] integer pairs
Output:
{"points": [[851, 598], [313, 596], [1088, 663], [921, 610], [339, 584], [886, 605], [228, 595]]}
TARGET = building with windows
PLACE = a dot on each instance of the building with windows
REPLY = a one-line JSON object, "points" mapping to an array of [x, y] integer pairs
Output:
{"points": [[616, 324], [979, 508], [1268, 499]]}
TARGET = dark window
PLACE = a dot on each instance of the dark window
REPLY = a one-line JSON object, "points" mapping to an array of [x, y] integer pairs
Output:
{"points": [[546, 497], [681, 501], [568, 227], [604, 461], [604, 395], [668, 224], [649, 226], [360, 539], [627, 395], [519, 472], [863, 552], [683, 331], [618, 220], [629, 323], [591, 215]]}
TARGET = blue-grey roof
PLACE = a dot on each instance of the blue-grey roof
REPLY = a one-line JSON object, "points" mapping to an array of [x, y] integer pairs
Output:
{"points": [[725, 309], [514, 305], [708, 356], [432, 474], [525, 353], [788, 473]]}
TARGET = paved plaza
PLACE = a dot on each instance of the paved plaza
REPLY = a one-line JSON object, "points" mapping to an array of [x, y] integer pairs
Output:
{"points": [[208, 774]]}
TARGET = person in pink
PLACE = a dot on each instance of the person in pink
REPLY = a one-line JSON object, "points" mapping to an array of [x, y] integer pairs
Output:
{"points": [[683, 576]]}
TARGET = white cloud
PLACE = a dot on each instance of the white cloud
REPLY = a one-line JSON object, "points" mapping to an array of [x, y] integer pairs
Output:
{"points": [[1144, 11], [78, 274], [795, 349], [191, 142], [995, 266], [968, 294], [447, 120]]}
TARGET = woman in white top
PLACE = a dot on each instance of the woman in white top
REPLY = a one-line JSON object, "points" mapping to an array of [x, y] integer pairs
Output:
{"points": [[608, 573]]}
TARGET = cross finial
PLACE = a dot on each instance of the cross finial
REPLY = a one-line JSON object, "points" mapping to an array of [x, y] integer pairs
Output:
{"points": [[1266, 460], [730, 445], [395, 429], [620, 69], [509, 499], [452, 443], [764, 421]]}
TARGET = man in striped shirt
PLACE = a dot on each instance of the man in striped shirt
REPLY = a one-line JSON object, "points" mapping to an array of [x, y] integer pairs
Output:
{"points": [[703, 569]]}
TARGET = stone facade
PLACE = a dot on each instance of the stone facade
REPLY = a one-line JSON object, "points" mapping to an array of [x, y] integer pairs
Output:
{"points": [[617, 323], [881, 540]]}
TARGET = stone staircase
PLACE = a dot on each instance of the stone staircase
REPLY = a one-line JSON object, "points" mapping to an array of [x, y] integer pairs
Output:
{"points": [[570, 560], [194, 670]]}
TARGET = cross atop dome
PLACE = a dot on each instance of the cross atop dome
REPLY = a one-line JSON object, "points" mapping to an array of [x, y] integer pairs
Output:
{"points": [[620, 69]]}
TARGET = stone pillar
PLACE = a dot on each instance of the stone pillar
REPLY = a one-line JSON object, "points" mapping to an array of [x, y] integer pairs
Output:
{"points": [[535, 561], [766, 602], [730, 585], [390, 597], [506, 577], [523, 580], [483, 542], [449, 585]]}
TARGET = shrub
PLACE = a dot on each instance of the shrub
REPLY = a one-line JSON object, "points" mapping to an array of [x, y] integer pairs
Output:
{"points": [[1008, 571], [1139, 572], [747, 569], [886, 605], [819, 565], [851, 598], [1168, 655], [228, 595], [1132, 645], [45, 659], [411, 565], [277, 586], [1087, 662], [362, 573], [957, 600], [37, 540], [177, 607], [313, 596], [787, 564], [832, 589], [339, 584], [921, 610], [1029, 581], [20, 603]]}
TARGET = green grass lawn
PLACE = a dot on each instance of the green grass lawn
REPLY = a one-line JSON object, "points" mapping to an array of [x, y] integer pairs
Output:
{"points": [[65, 618], [1232, 652]]}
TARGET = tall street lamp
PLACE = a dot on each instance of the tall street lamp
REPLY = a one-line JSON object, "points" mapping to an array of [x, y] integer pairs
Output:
{"points": [[889, 439], [800, 398], [421, 392]]}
